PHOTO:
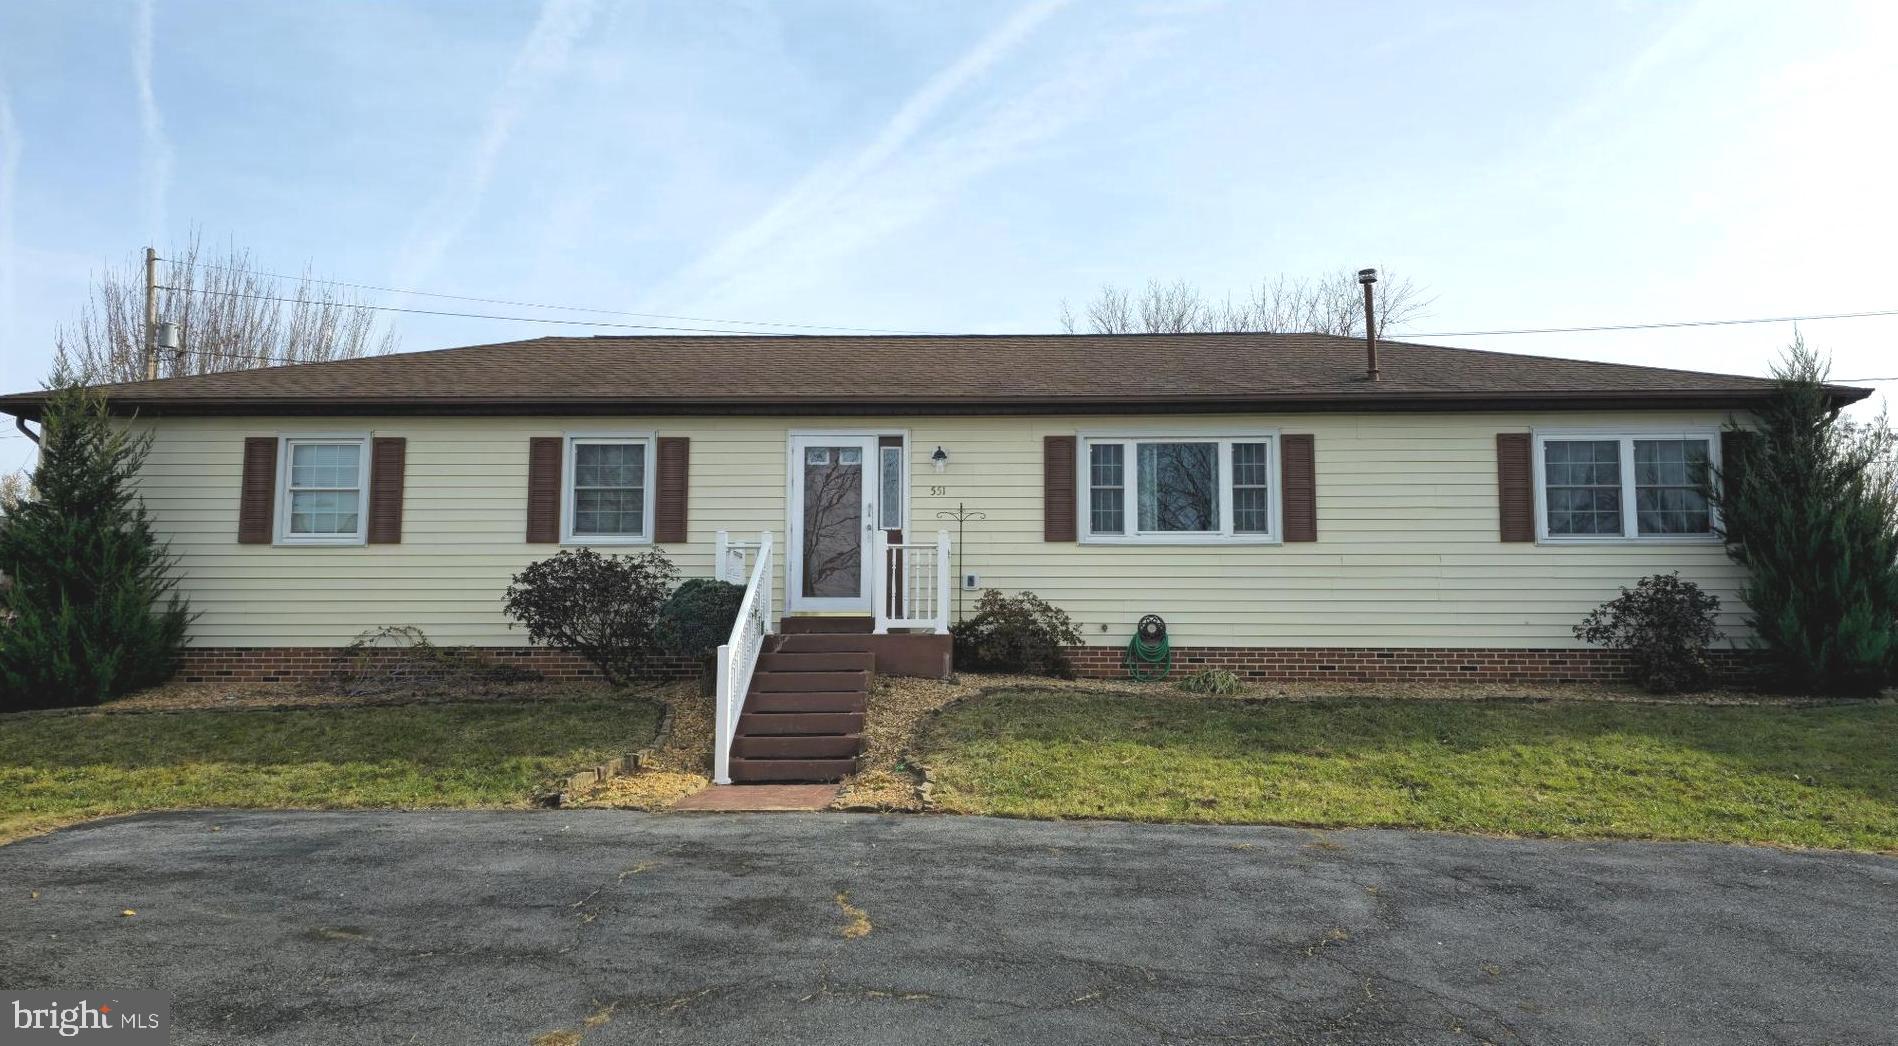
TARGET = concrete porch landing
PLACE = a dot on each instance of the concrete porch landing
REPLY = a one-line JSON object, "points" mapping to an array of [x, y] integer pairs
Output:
{"points": [[760, 797]]}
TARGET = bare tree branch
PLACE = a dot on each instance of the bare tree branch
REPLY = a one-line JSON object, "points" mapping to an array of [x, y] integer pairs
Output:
{"points": [[225, 316], [1330, 304], [1111, 312]]}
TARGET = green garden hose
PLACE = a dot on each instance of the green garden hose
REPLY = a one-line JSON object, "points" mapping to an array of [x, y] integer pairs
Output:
{"points": [[1149, 652]]}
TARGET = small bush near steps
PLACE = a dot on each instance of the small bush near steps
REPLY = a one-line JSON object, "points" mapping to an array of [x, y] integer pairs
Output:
{"points": [[1665, 624], [699, 616], [1021, 633]]}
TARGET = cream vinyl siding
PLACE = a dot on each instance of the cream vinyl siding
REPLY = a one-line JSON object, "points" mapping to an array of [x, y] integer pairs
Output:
{"points": [[1407, 551]]}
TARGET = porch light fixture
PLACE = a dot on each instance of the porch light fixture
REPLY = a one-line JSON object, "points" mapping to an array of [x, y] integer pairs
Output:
{"points": [[940, 459]]}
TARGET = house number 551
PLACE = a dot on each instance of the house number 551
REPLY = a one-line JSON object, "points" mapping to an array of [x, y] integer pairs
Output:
{"points": [[936, 492]]}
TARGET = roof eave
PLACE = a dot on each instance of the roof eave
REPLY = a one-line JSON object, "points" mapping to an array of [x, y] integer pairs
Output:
{"points": [[29, 405]]}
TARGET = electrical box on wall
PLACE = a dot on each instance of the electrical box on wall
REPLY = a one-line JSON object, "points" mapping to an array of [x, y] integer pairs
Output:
{"points": [[971, 582]]}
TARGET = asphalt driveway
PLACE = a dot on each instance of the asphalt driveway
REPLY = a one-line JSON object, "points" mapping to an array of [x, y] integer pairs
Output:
{"points": [[608, 927]]}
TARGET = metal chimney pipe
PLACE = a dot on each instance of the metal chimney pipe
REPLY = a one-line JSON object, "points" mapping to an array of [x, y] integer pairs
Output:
{"points": [[1367, 277]]}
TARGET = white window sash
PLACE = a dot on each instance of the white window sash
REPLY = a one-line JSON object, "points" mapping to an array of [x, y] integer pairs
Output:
{"points": [[286, 451], [1630, 515], [1130, 490], [648, 472]]}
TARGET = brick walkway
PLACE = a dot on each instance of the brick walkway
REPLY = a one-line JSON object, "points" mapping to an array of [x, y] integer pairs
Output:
{"points": [[761, 797]]}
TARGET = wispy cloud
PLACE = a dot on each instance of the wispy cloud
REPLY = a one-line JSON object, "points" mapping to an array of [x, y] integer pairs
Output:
{"points": [[542, 57], [156, 157], [937, 141], [10, 149]]}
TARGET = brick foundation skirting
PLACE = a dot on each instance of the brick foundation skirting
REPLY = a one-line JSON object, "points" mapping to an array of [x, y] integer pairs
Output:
{"points": [[1396, 664], [302, 664], [1290, 664]]}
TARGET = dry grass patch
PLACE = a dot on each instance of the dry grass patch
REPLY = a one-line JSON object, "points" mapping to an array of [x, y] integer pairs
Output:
{"points": [[645, 790], [182, 697], [680, 765]]}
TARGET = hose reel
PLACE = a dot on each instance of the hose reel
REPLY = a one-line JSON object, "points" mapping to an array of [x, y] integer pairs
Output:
{"points": [[1149, 652]]}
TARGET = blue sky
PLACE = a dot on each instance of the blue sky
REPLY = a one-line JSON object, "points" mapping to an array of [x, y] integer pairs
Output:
{"points": [[966, 166]]}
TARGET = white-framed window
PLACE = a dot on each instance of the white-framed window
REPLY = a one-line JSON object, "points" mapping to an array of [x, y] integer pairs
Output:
{"points": [[322, 490], [1596, 486], [606, 492], [1180, 489]]}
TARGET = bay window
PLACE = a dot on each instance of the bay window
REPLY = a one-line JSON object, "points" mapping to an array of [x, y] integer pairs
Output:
{"points": [[1180, 489]]}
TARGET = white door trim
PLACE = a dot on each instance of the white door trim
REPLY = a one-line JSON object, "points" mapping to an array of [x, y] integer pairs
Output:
{"points": [[794, 601]]}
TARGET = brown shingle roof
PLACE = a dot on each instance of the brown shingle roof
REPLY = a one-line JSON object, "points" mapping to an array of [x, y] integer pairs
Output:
{"points": [[985, 373]]}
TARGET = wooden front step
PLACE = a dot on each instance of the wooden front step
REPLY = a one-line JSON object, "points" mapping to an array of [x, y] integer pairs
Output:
{"points": [[808, 682], [792, 769], [818, 661], [773, 724], [814, 701], [820, 746], [923, 656], [802, 625]]}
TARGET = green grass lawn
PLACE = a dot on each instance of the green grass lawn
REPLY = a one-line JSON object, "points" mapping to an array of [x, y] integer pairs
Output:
{"points": [[1819, 776], [58, 769]]}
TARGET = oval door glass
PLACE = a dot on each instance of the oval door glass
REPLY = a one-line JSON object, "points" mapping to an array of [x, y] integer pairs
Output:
{"points": [[833, 522]]}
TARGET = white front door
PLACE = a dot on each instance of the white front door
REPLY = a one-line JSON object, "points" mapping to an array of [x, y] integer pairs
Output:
{"points": [[833, 508]]}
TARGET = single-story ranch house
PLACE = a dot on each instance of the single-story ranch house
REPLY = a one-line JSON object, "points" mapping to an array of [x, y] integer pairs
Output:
{"points": [[1287, 512]]}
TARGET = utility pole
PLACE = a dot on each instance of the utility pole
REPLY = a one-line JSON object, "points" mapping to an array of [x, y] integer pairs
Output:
{"points": [[151, 314]]}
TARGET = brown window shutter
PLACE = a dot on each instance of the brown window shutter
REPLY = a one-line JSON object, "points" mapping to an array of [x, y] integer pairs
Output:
{"points": [[1515, 486], [673, 472], [543, 490], [388, 460], [257, 502], [1057, 488], [1298, 474]]}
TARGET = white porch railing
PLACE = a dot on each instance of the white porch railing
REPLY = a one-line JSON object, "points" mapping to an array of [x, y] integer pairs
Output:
{"points": [[739, 656], [731, 560], [911, 587]]}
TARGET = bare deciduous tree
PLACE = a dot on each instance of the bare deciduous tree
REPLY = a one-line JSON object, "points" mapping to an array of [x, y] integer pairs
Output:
{"points": [[229, 317], [15, 488], [1329, 304]]}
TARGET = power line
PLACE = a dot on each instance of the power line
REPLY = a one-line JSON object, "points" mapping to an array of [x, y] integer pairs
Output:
{"points": [[1653, 326], [487, 315], [563, 308]]}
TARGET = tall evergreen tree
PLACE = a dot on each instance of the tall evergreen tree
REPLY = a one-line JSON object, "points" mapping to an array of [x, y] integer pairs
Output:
{"points": [[90, 608], [1811, 510]]}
